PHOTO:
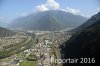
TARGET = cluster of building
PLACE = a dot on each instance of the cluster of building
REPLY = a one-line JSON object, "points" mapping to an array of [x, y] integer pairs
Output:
{"points": [[18, 38], [57, 38]]}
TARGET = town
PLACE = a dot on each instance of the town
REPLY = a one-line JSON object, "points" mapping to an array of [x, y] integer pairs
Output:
{"points": [[38, 50]]}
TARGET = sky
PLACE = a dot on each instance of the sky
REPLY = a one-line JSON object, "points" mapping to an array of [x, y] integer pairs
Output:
{"points": [[11, 9]]}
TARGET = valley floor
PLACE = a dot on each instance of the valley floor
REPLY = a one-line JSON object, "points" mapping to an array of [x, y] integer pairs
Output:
{"points": [[25, 50]]}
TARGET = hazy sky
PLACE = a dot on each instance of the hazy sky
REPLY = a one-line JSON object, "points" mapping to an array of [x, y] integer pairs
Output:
{"points": [[10, 9]]}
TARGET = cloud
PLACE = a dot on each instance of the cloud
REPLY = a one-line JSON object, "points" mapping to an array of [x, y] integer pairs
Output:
{"points": [[98, 9], [53, 5], [41, 8], [73, 11], [50, 4]]}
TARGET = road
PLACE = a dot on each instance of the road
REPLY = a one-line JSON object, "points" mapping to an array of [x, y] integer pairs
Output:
{"points": [[55, 40]]}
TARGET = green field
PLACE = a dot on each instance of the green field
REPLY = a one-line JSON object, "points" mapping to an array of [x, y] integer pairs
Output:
{"points": [[28, 63], [5, 60]]}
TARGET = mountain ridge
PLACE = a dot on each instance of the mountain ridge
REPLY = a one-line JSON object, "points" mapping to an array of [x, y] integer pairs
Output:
{"points": [[92, 20], [6, 32], [63, 20], [84, 44]]}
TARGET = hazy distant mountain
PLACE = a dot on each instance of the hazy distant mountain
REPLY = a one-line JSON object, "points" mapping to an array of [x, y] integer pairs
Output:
{"points": [[3, 24], [92, 20], [48, 20], [5, 32], [85, 44]]}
